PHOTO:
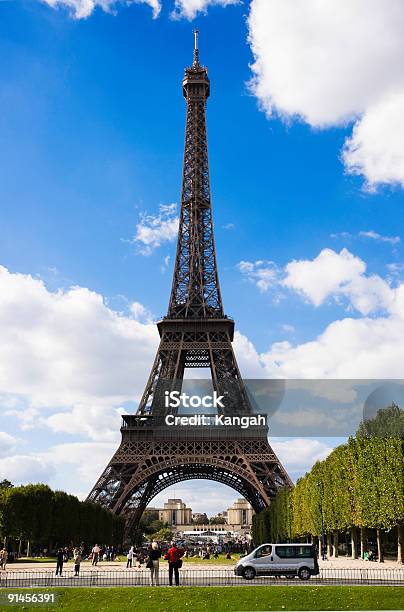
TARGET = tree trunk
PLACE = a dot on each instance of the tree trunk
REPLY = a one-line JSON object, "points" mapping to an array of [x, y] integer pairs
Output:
{"points": [[28, 548], [364, 543], [328, 545], [19, 548], [380, 545], [335, 552], [400, 543], [354, 536]]}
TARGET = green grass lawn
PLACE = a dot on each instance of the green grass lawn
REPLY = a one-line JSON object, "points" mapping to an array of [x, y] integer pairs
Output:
{"points": [[223, 599]]}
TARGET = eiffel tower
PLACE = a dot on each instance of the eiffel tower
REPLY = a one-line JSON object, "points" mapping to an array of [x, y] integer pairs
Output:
{"points": [[195, 333]]}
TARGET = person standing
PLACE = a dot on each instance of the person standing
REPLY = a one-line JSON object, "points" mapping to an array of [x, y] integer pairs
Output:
{"points": [[154, 563], [129, 557], [77, 561], [59, 561], [96, 554], [174, 555], [3, 558]]}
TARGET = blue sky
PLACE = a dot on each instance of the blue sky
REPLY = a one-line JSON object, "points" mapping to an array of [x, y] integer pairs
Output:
{"points": [[91, 141]]}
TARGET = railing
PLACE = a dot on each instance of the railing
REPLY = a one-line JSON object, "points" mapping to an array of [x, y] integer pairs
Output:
{"points": [[191, 577]]}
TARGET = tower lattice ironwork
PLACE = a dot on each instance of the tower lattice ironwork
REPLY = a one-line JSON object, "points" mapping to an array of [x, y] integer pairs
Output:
{"points": [[195, 333]]}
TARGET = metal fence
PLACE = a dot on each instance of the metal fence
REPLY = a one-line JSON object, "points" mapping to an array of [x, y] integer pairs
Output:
{"points": [[99, 577]]}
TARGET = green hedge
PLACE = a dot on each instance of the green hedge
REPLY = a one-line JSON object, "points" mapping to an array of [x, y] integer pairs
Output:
{"points": [[36, 513]]}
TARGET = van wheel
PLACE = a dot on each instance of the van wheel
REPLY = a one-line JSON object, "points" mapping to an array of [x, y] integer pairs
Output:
{"points": [[249, 573], [304, 573]]}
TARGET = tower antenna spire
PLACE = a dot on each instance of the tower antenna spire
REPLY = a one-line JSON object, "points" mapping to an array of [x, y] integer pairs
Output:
{"points": [[196, 47]]}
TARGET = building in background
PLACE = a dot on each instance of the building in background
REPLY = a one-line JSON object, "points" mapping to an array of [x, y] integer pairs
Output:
{"points": [[235, 522], [175, 512], [240, 513]]}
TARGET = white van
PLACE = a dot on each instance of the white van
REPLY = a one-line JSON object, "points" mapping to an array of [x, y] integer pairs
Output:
{"points": [[288, 560]]}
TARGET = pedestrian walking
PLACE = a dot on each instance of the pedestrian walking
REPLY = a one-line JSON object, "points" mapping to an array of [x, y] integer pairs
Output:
{"points": [[129, 557], [3, 558], [173, 556], [96, 554], [77, 561], [60, 557], [154, 563]]}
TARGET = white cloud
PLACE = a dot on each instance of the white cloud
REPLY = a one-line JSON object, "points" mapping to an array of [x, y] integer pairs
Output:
{"points": [[347, 348], [23, 469], [141, 313], [190, 8], [330, 62], [100, 423], [8, 444], [262, 273], [329, 275], [363, 347], [88, 459], [165, 264], [341, 235], [289, 329], [339, 274], [80, 9], [395, 268], [371, 234], [376, 148], [67, 352], [318, 278], [154, 230], [84, 462], [380, 238], [300, 454]]}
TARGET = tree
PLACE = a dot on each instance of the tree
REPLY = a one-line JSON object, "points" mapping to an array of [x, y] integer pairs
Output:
{"points": [[359, 485], [5, 484], [40, 515], [150, 523], [261, 526], [16, 517], [165, 534], [380, 484], [39, 499], [388, 422], [217, 520], [66, 519]]}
